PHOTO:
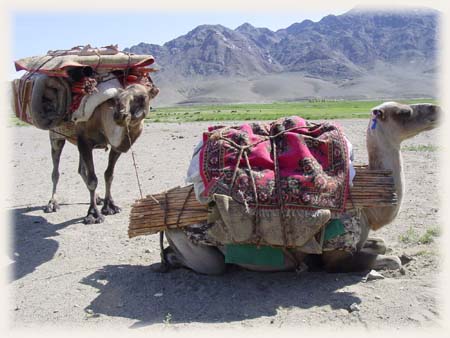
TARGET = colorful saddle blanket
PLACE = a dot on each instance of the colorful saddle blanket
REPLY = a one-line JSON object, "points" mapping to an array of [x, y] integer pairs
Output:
{"points": [[287, 164]]}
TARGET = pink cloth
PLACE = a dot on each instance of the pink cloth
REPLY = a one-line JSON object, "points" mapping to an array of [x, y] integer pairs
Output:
{"points": [[312, 160]]}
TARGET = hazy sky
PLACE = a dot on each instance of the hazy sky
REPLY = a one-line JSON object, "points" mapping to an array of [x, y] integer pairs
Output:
{"points": [[34, 33]]}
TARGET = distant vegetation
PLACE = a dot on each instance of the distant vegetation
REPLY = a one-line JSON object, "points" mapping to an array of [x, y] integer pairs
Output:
{"points": [[14, 121], [311, 110], [421, 148]]}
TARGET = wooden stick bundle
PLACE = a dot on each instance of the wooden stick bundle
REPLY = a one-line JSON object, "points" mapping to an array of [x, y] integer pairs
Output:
{"points": [[178, 207]]}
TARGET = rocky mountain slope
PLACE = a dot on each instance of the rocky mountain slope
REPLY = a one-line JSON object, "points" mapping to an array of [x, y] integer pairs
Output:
{"points": [[335, 51]]}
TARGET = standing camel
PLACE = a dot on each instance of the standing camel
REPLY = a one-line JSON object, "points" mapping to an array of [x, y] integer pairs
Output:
{"points": [[117, 122], [391, 124]]}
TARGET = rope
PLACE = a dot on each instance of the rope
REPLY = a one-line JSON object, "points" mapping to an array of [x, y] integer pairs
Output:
{"points": [[237, 167], [62, 134], [183, 207], [165, 204], [256, 228], [135, 166], [278, 189]]}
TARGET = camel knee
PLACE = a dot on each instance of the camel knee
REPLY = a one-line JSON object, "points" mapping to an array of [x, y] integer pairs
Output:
{"points": [[90, 179], [383, 262], [92, 182], [200, 258], [375, 245]]}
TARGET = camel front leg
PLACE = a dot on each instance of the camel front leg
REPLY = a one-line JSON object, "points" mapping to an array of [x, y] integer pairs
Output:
{"points": [[375, 245], [57, 146], [359, 261], [87, 171], [109, 207]]}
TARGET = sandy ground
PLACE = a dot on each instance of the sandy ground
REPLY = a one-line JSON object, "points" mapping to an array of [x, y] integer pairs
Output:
{"points": [[65, 274]]}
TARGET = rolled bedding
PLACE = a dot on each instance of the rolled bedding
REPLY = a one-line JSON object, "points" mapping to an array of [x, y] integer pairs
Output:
{"points": [[46, 104]]}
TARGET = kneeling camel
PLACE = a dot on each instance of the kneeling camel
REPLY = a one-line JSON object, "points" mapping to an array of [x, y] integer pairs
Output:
{"points": [[390, 125]]}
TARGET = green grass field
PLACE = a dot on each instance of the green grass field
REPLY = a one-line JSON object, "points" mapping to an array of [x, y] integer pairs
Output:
{"points": [[240, 112], [320, 110]]}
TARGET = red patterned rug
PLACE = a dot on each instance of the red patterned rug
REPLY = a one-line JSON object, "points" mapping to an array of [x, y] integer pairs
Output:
{"points": [[310, 169]]}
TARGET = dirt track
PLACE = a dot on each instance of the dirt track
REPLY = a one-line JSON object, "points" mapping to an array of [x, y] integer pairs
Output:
{"points": [[67, 274]]}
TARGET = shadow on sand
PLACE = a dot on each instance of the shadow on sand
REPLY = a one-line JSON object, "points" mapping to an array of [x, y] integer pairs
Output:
{"points": [[31, 243], [137, 292]]}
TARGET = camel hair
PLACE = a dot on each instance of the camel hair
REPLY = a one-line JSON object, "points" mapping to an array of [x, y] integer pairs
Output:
{"points": [[390, 124], [117, 122]]}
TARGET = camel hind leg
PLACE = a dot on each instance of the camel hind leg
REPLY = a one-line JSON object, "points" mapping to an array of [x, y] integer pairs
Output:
{"points": [[57, 145]]}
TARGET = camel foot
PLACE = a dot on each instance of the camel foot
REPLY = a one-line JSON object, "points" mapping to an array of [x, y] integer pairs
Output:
{"points": [[375, 245], [171, 258], [109, 208], [93, 217], [52, 206], [169, 262], [383, 262], [160, 267]]}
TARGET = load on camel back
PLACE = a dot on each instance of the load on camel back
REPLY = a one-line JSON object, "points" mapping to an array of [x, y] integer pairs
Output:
{"points": [[67, 85], [271, 196], [91, 97]]}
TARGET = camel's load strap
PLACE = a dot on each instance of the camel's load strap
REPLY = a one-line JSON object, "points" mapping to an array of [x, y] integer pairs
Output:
{"points": [[178, 207], [64, 83]]}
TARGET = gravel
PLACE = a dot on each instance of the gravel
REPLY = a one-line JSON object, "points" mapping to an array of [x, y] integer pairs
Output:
{"points": [[65, 274]]}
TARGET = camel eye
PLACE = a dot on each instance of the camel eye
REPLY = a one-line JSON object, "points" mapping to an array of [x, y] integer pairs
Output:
{"points": [[405, 113]]}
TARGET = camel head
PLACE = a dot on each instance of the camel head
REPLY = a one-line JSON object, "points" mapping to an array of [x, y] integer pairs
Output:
{"points": [[133, 103], [401, 121]]}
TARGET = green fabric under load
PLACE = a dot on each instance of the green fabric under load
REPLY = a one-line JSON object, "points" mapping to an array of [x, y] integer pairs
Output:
{"points": [[251, 254], [333, 229], [270, 256]]}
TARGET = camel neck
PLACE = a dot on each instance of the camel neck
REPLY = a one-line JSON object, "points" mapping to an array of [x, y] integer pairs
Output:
{"points": [[384, 153]]}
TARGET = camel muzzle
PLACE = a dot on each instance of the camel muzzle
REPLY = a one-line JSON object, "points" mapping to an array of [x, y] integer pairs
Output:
{"points": [[434, 117], [121, 117]]}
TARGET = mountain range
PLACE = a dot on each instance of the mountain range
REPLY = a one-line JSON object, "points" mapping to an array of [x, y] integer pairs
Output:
{"points": [[360, 54]]}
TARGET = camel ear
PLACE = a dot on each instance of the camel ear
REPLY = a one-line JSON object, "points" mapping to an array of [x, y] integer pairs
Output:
{"points": [[378, 113], [404, 111]]}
